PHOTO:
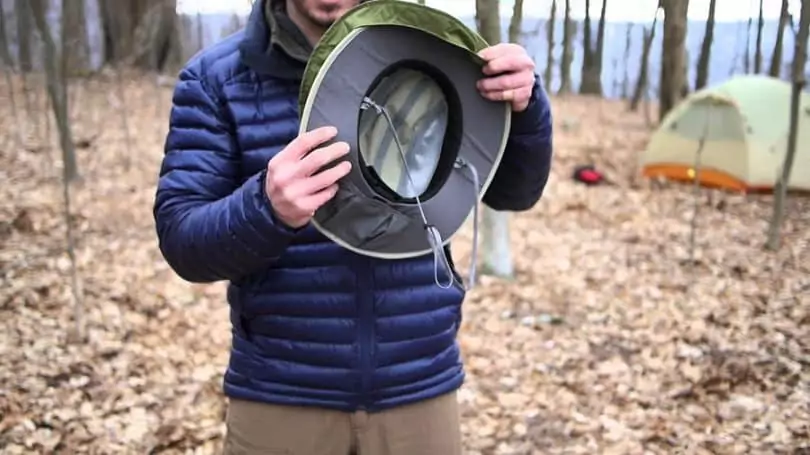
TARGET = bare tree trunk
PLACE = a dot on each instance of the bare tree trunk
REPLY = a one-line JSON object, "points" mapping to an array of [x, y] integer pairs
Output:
{"points": [[592, 58], [495, 243], [118, 24], [155, 35], [702, 76], [737, 54], [75, 48], [119, 102], [144, 35], [488, 20], [496, 250], [628, 44], [799, 81], [8, 68], [758, 50], [58, 95], [516, 22], [550, 25], [600, 50], [200, 31], [23, 35], [12, 103], [685, 88], [617, 77], [747, 57], [775, 69], [697, 167], [642, 81], [120, 20], [567, 56], [57, 90], [587, 52], [673, 56], [5, 50], [140, 32]]}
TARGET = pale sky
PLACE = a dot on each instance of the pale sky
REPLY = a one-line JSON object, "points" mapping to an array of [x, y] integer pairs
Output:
{"points": [[618, 10]]}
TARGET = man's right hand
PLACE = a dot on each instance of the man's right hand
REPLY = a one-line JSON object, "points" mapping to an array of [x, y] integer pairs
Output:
{"points": [[294, 188]]}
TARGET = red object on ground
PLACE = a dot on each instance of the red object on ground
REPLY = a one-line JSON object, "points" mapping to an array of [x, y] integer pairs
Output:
{"points": [[588, 175]]}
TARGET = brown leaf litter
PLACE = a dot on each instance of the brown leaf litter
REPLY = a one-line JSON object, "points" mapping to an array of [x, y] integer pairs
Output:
{"points": [[608, 340]]}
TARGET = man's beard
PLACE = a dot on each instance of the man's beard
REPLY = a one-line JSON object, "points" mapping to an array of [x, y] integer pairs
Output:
{"points": [[317, 19], [323, 23]]}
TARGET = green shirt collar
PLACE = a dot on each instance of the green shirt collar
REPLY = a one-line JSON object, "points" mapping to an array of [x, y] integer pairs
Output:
{"points": [[284, 33]]}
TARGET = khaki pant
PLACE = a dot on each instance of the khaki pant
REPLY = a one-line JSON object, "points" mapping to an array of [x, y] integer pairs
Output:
{"points": [[429, 427]]}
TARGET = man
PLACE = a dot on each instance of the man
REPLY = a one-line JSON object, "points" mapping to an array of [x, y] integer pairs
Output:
{"points": [[333, 353]]}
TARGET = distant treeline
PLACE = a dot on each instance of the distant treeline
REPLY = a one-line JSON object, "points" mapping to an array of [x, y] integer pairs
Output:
{"points": [[620, 67]]}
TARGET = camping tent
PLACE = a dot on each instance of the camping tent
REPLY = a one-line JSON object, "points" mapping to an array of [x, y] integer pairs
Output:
{"points": [[744, 123]]}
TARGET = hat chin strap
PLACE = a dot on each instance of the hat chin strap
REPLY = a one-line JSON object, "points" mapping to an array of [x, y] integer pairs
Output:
{"points": [[434, 237]]}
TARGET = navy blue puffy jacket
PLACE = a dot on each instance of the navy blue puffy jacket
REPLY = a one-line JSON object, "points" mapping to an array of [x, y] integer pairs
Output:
{"points": [[313, 324]]}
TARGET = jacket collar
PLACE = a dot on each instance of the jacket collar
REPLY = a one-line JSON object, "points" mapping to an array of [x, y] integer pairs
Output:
{"points": [[272, 44]]}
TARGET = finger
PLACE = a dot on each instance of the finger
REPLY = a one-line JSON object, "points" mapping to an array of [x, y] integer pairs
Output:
{"points": [[522, 98], [509, 63], [499, 95], [516, 96], [321, 157], [499, 49], [324, 179], [507, 81], [313, 202], [302, 187], [306, 142]]}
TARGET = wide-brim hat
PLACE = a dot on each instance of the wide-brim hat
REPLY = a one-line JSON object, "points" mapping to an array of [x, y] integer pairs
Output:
{"points": [[398, 81]]}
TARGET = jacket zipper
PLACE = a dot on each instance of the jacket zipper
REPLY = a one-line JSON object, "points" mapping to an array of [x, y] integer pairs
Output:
{"points": [[365, 300]]}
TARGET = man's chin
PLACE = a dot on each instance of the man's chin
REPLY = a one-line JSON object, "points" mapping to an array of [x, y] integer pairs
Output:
{"points": [[326, 19], [324, 23]]}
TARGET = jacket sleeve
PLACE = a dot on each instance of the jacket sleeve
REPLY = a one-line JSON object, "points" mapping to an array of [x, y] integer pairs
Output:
{"points": [[524, 169], [210, 225]]}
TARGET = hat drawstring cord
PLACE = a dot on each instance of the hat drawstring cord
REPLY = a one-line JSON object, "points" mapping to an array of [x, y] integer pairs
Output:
{"points": [[433, 235], [462, 163]]}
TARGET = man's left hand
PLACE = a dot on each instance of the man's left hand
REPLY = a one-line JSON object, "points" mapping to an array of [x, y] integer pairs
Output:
{"points": [[509, 75]]}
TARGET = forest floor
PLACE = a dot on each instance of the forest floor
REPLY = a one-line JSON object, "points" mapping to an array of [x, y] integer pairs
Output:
{"points": [[609, 340]]}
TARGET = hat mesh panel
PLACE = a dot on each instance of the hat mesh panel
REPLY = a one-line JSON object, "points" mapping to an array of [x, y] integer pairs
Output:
{"points": [[419, 110]]}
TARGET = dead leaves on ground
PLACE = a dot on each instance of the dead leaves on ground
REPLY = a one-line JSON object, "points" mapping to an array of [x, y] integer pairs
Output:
{"points": [[609, 340]]}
